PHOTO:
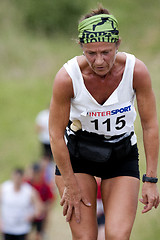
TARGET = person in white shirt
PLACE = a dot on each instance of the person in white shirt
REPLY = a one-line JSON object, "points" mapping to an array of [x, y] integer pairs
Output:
{"points": [[43, 132], [95, 93], [19, 205]]}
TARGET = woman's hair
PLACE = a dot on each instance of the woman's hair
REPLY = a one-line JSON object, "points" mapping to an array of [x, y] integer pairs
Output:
{"points": [[99, 10], [19, 171]]}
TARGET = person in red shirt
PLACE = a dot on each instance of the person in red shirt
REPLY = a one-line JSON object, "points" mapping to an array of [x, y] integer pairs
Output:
{"points": [[37, 181]]}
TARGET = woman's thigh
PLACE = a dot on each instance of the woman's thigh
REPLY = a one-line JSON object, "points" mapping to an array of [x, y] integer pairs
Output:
{"points": [[87, 228], [120, 199]]}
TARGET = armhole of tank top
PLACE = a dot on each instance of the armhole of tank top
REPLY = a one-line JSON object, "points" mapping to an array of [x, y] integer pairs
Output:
{"points": [[130, 63], [71, 69]]}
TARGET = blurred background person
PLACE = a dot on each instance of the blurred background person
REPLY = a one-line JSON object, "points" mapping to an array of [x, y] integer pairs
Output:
{"points": [[46, 159], [20, 204], [36, 180], [48, 168], [100, 212], [43, 132]]}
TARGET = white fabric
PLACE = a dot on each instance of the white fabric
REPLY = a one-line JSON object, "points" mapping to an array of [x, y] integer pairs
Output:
{"points": [[42, 122], [15, 208], [100, 209], [116, 116]]}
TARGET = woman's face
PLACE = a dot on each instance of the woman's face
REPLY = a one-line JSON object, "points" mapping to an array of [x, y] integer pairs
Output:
{"points": [[100, 56]]}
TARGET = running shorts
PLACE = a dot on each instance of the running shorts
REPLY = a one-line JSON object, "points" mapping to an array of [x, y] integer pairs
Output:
{"points": [[114, 167]]}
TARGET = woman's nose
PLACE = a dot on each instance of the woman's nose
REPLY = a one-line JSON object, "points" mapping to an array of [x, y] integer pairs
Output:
{"points": [[99, 59]]}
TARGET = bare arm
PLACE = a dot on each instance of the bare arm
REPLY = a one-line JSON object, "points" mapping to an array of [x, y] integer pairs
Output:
{"points": [[58, 120], [38, 205], [148, 115]]}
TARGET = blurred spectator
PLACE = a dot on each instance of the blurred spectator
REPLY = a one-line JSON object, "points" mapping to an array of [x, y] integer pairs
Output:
{"points": [[46, 195], [43, 132], [48, 167], [46, 160], [100, 212], [20, 204]]}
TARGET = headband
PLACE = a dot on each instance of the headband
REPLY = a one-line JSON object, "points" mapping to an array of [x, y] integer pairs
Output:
{"points": [[98, 28]]}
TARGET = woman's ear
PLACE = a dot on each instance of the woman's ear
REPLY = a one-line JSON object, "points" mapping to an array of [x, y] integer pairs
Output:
{"points": [[118, 43], [81, 44]]}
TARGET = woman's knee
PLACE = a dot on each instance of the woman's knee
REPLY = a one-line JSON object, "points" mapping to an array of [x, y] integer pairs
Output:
{"points": [[86, 230], [118, 234], [85, 236]]}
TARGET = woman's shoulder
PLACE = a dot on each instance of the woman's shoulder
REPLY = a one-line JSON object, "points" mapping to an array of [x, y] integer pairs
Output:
{"points": [[121, 56], [63, 83]]}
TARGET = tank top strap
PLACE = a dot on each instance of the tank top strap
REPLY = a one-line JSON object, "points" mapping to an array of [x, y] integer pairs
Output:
{"points": [[74, 72], [129, 69]]}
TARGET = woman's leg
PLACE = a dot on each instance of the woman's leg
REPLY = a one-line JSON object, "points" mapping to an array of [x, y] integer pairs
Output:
{"points": [[120, 198], [87, 228]]}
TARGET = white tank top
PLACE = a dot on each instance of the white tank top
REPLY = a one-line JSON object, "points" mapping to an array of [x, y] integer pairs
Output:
{"points": [[15, 208], [116, 116]]}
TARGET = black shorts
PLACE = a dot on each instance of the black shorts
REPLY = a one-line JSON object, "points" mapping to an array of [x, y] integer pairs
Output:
{"points": [[128, 166], [101, 220], [46, 150], [14, 237], [39, 225]]}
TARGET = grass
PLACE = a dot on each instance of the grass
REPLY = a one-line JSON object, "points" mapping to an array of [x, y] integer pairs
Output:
{"points": [[28, 64]]}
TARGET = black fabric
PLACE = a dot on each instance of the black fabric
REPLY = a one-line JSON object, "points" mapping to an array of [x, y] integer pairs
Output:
{"points": [[39, 225], [46, 150], [101, 220], [114, 167], [93, 151], [96, 149], [14, 237]]}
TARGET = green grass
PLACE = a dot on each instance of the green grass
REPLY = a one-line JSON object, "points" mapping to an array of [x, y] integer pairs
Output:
{"points": [[28, 64]]}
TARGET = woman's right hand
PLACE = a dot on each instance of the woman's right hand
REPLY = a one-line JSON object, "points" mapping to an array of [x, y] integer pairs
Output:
{"points": [[71, 200]]}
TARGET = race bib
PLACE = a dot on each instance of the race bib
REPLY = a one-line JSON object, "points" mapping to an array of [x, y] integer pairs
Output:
{"points": [[109, 120]]}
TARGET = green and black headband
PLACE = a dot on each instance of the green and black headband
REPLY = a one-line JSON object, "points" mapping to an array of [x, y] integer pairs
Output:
{"points": [[99, 28]]}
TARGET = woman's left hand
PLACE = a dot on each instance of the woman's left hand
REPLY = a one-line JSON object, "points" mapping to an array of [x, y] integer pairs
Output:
{"points": [[150, 196]]}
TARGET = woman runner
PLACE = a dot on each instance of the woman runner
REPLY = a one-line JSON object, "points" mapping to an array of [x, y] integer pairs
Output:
{"points": [[93, 106]]}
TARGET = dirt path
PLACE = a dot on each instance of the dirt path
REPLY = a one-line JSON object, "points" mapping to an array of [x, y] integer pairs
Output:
{"points": [[58, 229]]}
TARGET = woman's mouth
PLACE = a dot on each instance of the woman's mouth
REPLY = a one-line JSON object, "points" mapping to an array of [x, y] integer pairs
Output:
{"points": [[99, 68]]}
